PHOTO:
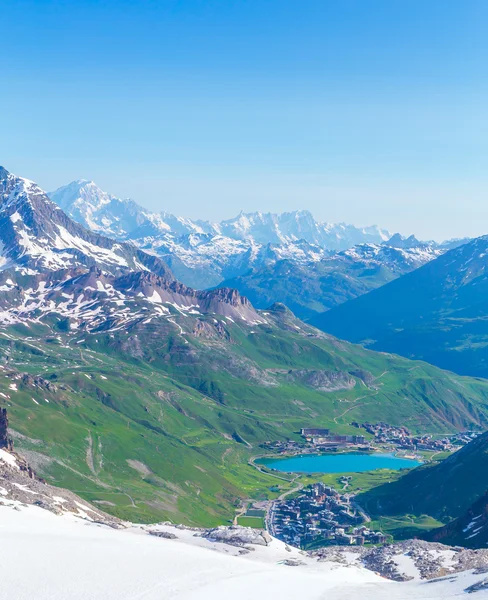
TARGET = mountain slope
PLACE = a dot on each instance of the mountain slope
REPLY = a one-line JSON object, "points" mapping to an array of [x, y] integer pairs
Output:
{"points": [[168, 410], [469, 530], [443, 491], [86, 560], [436, 313], [310, 288]]}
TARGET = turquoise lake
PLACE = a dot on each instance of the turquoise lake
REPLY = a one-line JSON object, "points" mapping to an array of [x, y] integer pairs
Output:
{"points": [[338, 463]]}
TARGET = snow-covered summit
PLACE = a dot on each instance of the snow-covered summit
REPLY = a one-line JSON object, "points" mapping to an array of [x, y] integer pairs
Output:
{"points": [[85, 202], [36, 234]]}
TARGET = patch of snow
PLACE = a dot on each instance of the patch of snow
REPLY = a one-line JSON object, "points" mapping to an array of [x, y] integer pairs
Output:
{"points": [[8, 458]]}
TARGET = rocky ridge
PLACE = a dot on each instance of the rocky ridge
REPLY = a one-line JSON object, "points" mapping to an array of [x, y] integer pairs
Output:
{"points": [[408, 560]]}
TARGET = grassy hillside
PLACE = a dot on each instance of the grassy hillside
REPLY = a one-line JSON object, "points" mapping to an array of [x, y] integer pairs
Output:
{"points": [[158, 421]]}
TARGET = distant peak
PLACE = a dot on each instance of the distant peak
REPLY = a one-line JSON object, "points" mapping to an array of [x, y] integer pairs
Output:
{"points": [[279, 307], [81, 183], [400, 241]]}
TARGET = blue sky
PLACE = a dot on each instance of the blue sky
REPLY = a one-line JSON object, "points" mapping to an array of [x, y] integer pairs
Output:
{"points": [[364, 111]]}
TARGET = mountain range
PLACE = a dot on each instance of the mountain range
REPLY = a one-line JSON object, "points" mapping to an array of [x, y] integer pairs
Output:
{"points": [[311, 288], [85, 202], [203, 254], [142, 393], [288, 257]]}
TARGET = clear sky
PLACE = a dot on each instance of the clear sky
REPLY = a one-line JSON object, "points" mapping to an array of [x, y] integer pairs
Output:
{"points": [[364, 111]]}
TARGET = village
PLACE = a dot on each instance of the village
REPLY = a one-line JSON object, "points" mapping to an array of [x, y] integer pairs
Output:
{"points": [[382, 436], [321, 516]]}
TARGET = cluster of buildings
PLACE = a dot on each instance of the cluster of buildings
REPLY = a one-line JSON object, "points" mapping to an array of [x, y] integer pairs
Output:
{"points": [[324, 438], [402, 438], [315, 438], [320, 516]]}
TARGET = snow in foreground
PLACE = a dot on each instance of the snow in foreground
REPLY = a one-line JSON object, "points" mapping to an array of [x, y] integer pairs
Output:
{"points": [[50, 557]]}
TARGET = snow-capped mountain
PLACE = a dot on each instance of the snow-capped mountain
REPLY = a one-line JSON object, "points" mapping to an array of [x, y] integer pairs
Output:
{"points": [[265, 228], [87, 204], [52, 267], [202, 254], [206, 260], [36, 235], [398, 259]]}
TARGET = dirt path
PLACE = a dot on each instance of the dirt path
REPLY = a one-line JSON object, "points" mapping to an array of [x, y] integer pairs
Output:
{"points": [[253, 464], [240, 512], [225, 454], [356, 405]]}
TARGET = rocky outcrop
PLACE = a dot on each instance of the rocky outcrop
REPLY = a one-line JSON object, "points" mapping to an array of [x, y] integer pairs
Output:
{"points": [[20, 486], [403, 561], [323, 381], [163, 534], [5, 442], [238, 536]]}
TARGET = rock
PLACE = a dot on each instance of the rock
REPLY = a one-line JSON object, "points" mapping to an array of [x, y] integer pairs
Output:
{"points": [[164, 534], [293, 562], [5, 441], [477, 587], [238, 536]]}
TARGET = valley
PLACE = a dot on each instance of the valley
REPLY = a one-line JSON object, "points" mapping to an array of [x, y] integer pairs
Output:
{"points": [[150, 398]]}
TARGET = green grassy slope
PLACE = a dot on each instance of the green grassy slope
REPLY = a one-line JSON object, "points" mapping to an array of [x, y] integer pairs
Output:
{"points": [[159, 421]]}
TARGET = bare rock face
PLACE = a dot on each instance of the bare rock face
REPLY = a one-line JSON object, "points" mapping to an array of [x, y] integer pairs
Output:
{"points": [[164, 534], [19, 486], [5, 441], [324, 381], [238, 536]]}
